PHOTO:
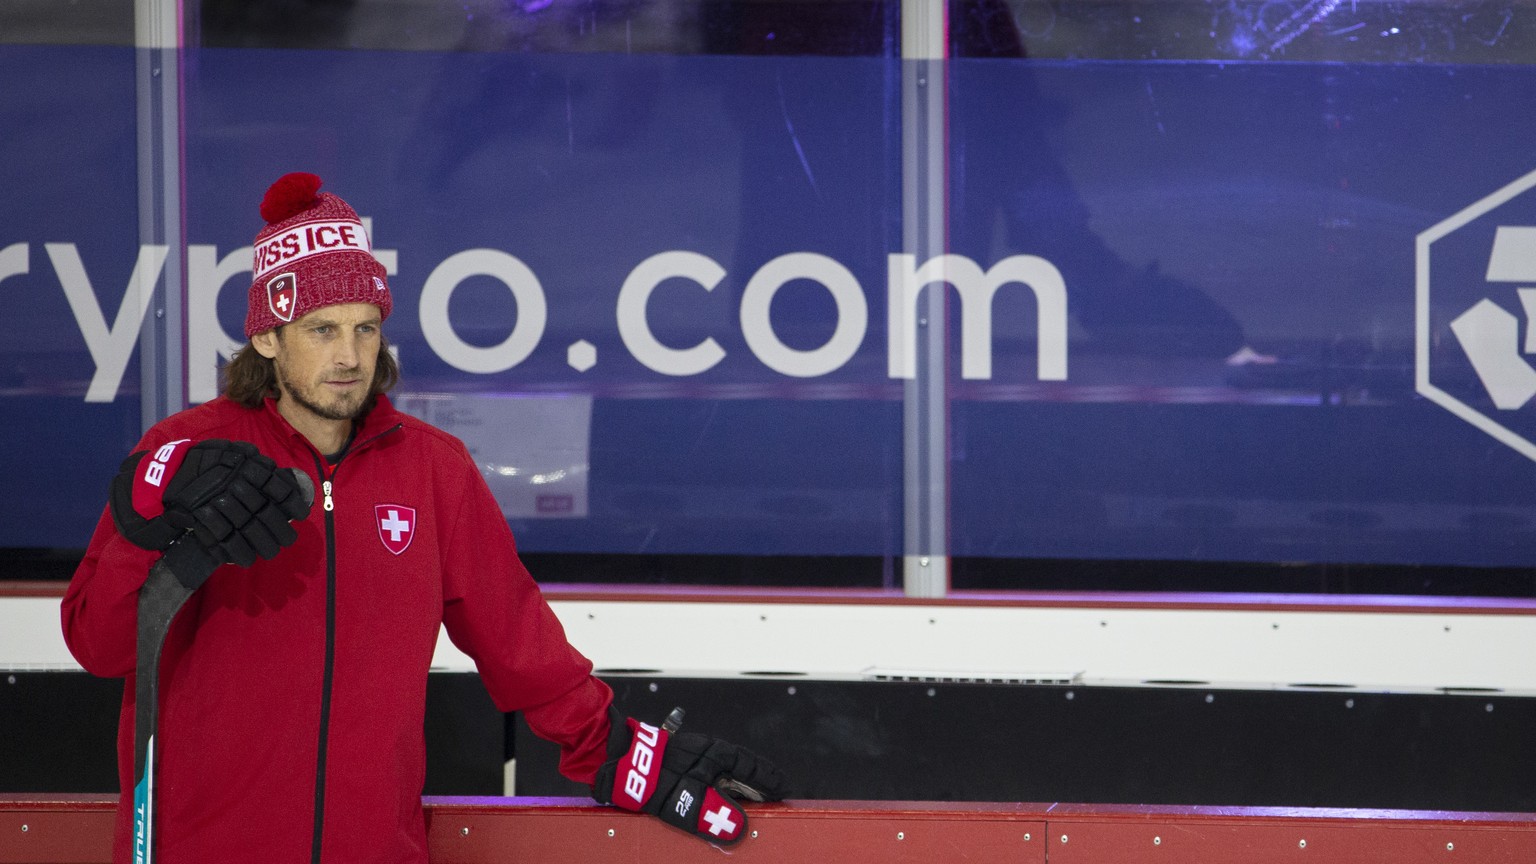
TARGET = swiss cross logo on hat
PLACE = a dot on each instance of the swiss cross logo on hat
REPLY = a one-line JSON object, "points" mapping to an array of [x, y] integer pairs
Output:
{"points": [[397, 525], [283, 295]]}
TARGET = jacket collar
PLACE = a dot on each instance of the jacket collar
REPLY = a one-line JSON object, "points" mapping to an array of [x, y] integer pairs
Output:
{"points": [[382, 417]]}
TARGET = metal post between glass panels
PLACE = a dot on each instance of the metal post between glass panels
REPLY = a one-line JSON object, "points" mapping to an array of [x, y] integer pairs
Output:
{"points": [[925, 412], [162, 217]]}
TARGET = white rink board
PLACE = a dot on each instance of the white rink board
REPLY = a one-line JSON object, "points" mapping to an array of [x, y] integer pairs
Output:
{"points": [[1402, 650]]}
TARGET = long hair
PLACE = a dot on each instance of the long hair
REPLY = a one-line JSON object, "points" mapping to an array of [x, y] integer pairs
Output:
{"points": [[250, 378]]}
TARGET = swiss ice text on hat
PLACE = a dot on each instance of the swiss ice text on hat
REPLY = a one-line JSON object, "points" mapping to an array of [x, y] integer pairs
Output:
{"points": [[313, 253]]}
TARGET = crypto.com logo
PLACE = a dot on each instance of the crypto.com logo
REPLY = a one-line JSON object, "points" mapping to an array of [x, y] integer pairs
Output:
{"points": [[1484, 266]]}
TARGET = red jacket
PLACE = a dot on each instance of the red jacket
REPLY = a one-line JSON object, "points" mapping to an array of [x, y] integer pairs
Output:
{"points": [[293, 692]]}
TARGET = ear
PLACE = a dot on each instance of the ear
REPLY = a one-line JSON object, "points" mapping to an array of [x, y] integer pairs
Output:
{"points": [[265, 343]]}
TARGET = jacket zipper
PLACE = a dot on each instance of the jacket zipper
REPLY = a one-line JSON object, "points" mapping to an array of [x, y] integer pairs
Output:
{"points": [[327, 488]]}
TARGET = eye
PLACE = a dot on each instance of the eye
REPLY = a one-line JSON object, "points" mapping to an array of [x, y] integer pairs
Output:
{"points": [[322, 330]]}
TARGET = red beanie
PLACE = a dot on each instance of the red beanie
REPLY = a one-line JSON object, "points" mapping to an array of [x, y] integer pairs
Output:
{"points": [[312, 253]]}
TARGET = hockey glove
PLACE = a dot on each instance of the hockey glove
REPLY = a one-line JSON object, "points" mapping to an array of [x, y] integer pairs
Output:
{"points": [[235, 502], [686, 779]]}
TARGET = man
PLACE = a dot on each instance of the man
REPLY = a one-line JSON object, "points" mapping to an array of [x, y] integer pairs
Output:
{"points": [[293, 682]]}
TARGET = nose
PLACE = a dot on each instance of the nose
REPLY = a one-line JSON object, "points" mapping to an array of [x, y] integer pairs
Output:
{"points": [[346, 351]]}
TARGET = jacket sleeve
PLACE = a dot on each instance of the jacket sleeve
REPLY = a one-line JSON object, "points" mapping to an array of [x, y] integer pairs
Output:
{"points": [[100, 611], [100, 608], [495, 613]]}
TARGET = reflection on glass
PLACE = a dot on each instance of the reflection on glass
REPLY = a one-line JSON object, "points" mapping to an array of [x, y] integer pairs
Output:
{"points": [[1235, 213], [1357, 31], [47, 22], [845, 28]]}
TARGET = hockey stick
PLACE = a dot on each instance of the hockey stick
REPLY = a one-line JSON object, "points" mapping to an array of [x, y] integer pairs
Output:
{"points": [[160, 598]]}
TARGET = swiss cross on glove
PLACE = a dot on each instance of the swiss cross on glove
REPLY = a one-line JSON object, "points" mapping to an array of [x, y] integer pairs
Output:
{"points": [[684, 778], [206, 504]]}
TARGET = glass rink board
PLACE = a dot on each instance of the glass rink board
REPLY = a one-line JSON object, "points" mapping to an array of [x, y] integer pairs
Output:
{"points": [[1195, 310]]}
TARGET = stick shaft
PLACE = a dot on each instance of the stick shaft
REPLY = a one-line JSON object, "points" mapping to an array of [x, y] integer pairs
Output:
{"points": [[160, 598]]}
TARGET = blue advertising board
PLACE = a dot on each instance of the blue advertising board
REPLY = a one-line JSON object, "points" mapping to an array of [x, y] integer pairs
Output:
{"points": [[1190, 315]]}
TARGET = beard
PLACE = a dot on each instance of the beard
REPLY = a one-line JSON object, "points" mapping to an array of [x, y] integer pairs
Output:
{"points": [[330, 406]]}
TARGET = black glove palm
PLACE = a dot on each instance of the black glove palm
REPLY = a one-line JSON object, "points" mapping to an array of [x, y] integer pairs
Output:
{"points": [[684, 778], [235, 501]]}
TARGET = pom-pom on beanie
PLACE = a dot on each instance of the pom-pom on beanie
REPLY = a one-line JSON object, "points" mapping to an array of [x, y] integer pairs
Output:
{"points": [[312, 253]]}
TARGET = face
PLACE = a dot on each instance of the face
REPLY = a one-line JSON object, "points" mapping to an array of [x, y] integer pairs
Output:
{"points": [[325, 360]]}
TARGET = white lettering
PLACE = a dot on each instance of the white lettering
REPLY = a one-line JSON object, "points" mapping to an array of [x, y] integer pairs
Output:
{"points": [[647, 734], [757, 326], [634, 786], [302, 241], [208, 342], [976, 290], [390, 258], [157, 463], [531, 310], [110, 349], [641, 757], [144, 808], [15, 260], [634, 325], [141, 821]]}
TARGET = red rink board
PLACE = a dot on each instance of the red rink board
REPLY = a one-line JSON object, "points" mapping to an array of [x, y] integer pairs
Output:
{"points": [[57, 829], [1079, 834], [462, 831]]}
